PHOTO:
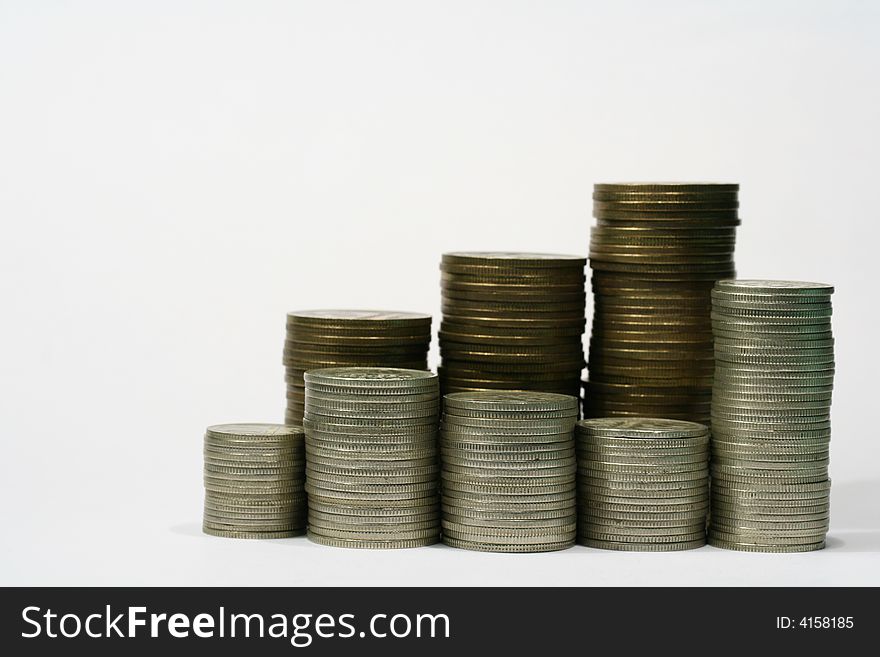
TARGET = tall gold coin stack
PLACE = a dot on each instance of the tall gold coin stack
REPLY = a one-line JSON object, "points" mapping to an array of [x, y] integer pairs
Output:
{"points": [[254, 477], [350, 338], [512, 321], [643, 484], [771, 423], [655, 252], [372, 470], [509, 466]]}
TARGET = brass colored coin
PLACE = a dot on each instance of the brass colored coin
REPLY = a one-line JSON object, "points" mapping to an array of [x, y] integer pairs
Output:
{"points": [[663, 187], [724, 199], [509, 258]]}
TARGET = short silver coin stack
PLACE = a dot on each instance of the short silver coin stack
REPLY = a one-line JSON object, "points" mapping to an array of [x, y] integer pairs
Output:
{"points": [[372, 460], [643, 484], [254, 476], [508, 480]]}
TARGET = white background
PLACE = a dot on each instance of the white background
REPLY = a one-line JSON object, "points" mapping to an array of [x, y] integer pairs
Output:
{"points": [[175, 176]]}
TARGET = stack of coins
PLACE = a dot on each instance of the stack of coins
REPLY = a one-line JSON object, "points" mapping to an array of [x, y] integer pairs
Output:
{"points": [[350, 338], [508, 478], [643, 484], [512, 321], [655, 252], [254, 476], [372, 463], [771, 407]]}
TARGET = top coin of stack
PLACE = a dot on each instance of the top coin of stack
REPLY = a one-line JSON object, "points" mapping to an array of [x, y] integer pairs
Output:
{"points": [[774, 372], [512, 321], [350, 338], [656, 251]]}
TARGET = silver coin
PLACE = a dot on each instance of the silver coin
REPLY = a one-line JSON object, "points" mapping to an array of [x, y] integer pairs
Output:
{"points": [[638, 497], [372, 378], [255, 535], [753, 547], [373, 544], [608, 513], [765, 539], [481, 546], [641, 547], [680, 537], [500, 537], [479, 458], [516, 524], [503, 471]]}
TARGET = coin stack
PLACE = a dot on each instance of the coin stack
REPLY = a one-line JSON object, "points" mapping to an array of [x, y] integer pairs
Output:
{"points": [[656, 251], [508, 480], [771, 407], [512, 321], [372, 463], [350, 338], [254, 476], [643, 484]]}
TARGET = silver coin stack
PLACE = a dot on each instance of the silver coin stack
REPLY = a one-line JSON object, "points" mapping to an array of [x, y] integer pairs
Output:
{"points": [[643, 484], [254, 476], [771, 405], [372, 462], [512, 321], [508, 479], [350, 338]]}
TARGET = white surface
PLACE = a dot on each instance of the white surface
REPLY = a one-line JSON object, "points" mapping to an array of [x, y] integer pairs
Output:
{"points": [[174, 176]]}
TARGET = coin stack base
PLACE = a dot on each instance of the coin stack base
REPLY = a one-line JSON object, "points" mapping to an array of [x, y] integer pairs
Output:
{"points": [[508, 479], [771, 408], [372, 475], [643, 484], [350, 338], [254, 477], [512, 321], [655, 253]]}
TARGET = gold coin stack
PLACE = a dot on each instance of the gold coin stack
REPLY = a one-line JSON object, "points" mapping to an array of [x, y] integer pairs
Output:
{"points": [[655, 253], [512, 321], [254, 481], [350, 338]]}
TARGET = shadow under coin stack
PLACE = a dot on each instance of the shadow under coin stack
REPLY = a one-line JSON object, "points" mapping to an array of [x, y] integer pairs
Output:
{"points": [[643, 484], [512, 321], [508, 478], [254, 476], [771, 407], [655, 253], [372, 463], [350, 338]]}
